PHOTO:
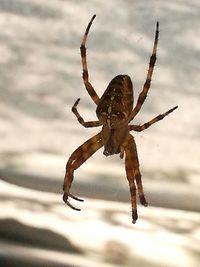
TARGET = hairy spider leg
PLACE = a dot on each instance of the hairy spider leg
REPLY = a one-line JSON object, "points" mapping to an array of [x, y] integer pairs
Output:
{"points": [[133, 175], [139, 128], [86, 124], [85, 74], [147, 84], [78, 157]]}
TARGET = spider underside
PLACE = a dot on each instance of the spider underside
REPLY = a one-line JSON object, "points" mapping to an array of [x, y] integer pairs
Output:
{"points": [[114, 111]]}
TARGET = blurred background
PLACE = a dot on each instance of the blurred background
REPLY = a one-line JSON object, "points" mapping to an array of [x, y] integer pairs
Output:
{"points": [[40, 79]]}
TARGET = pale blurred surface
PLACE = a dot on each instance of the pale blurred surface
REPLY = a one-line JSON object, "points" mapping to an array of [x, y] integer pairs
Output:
{"points": [[40, 78]]}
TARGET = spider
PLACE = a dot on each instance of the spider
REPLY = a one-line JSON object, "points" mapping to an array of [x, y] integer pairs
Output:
{"points": [[114, 111]]}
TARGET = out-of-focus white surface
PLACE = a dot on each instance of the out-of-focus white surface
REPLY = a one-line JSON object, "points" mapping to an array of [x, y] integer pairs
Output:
{"points": [[159, 238]]}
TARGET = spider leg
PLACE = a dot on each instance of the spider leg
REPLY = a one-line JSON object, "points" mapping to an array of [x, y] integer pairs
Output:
{"points": [[139, 128], [86, 124], [85, 75], [133, 175], [147, 83], [70, 205], [78, 157], [76, 198]]}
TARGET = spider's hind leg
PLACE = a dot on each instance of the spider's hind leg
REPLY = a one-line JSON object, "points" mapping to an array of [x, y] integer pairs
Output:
{"points": [[133, 175], [65, 199], [78, 157], [76, 198]]}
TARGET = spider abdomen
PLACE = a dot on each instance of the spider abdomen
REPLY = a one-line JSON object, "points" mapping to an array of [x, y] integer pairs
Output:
{"points": [[116, 103]]}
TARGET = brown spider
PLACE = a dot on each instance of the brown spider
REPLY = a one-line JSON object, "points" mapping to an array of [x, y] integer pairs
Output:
{"points": [[114, 111]]}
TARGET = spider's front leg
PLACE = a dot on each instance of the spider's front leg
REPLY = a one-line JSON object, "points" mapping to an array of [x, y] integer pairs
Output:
{"points": [[147, 84], [78, 157], [85, 74], [133, 175]]}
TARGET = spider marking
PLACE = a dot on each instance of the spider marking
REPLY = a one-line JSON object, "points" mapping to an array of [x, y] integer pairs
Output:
{"points": [[110, 109]]}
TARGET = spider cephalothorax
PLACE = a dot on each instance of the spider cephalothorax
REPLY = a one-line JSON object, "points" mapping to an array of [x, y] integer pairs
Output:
{"points": [[114, 111]]}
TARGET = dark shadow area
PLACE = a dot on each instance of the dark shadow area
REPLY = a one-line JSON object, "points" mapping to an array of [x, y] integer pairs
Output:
{"points": [[15, 232], [169, 195], [19, 262]]}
